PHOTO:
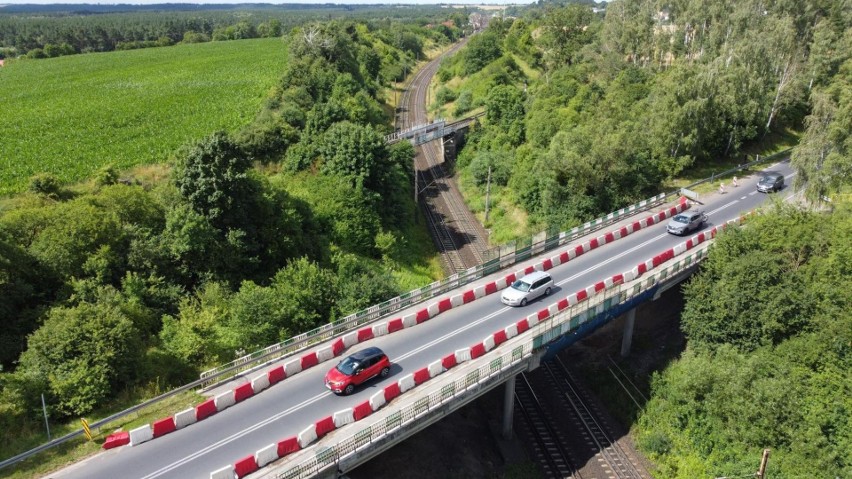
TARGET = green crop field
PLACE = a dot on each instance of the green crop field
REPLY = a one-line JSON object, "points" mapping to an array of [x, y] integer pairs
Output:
{"points": [[71, 115]]}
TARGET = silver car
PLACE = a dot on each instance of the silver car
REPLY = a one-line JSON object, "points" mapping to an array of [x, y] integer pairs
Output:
{"points": [[527, 289], [686, 222]]}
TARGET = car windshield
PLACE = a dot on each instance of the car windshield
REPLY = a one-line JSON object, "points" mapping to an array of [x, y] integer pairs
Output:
{"points": [[521, 285], [348, 366], [681, 219], [767, 179]]}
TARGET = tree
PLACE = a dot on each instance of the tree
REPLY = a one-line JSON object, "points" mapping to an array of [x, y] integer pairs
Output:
{"points": [[480, 51], [213, 178], [83, 353], [355, 152], [565, 31], [823, 158]]}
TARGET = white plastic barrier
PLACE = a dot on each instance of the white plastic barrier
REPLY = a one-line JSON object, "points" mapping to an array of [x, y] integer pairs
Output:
{"points": [[488, 342], [344, 417], [307, 436], [462, 355], [185, 418], [226, 472], [556, 260], [266, 455], [380, 329], [324, 354], [409, 320], [293, 367], [511, 331], [457, 300], [500, 283], [479, 292], [259, 383], [224, 400], [572, 299], [532, 319], [436, 368], [141, 434], [377, 400], [406, 383], [433, 310], [553, 309], [350, 339], [520, 274]]}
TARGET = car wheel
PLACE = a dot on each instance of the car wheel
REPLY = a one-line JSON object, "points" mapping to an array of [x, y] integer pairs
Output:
{"points": [[385, 372], [524, 302], [349, 389], [547, 292]]}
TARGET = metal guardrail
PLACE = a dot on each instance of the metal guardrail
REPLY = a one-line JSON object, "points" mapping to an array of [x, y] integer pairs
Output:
{"points": [[495, 259], [411, 409]]}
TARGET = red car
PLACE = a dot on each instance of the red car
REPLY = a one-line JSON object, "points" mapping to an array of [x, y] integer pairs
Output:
{"points": [[356, 370]]}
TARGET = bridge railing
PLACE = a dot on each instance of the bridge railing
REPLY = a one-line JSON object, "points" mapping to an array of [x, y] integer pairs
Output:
{"points": [[490, 367], [494, 260]]}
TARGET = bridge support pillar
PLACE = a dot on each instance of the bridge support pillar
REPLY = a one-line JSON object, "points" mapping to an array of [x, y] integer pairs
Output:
{"points": [[508, 407], [627, 339]]}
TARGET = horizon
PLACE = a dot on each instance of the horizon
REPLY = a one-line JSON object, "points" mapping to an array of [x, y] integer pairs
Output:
{"points": [[282, 2]]}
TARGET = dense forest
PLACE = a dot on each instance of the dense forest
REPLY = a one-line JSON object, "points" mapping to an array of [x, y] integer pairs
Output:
{"points": [[587, 112], [46, 31], [255, 235]]}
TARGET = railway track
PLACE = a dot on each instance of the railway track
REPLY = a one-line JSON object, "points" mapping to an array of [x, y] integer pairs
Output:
{"points": [[545, 439], [456, 232], [612, 459]]}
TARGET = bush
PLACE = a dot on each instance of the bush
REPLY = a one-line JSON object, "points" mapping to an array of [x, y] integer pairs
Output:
{"points": [[45, 184], [464, 103], [444, 95]]}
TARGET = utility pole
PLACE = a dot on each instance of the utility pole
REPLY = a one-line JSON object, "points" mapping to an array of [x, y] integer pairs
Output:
{"points": [[46, 425], [488, 194], [762, 471]]}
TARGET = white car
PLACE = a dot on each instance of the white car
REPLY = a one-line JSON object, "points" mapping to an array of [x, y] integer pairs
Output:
{"points": [[527, 289]]}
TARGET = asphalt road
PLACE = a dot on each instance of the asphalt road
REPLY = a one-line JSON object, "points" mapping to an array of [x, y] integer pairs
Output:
{"points": [[288, 407]]}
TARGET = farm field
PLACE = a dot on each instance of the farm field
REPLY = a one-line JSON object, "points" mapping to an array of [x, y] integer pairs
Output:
{"points": [[70, 116]]}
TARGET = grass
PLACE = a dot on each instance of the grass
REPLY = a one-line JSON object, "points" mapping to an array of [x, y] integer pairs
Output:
{"points": [[506, 221], [33, 434], [71, 115]]}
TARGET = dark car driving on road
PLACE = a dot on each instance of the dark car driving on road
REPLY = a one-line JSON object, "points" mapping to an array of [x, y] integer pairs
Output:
{"points": [[771, 181]]}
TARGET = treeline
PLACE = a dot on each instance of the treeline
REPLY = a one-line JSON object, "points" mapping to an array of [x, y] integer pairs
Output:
{"points": [[68, 32], [110, 290], [769, 356], [588, 112]]}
